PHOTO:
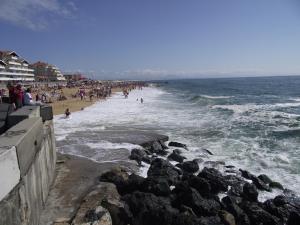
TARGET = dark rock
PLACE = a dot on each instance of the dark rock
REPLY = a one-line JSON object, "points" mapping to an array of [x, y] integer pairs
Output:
{"points": [[246, 174], [294, 218], [199, 160], [226, 217], [191, 198], [231, 205], [117, 176], [209, 152], [260, 184], [139, 155], [163, 145], [201, 185], [257, 215], [149, 209], [177, 144], [91, 215], [161, 168], [265, 178], [215, 179], [211, 220], [189, 166], [281, 212], [275, 184], [133, 183], [250, 192], [156, 147], [175, 156], [256, 181], [158, 187], [119, 212], [230, 167], [186, 218]]}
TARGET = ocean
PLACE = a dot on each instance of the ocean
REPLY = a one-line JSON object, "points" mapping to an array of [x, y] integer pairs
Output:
{"points": [[250, 123]]}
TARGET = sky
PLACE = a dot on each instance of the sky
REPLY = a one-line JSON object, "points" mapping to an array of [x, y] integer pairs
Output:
{"points": [[156, 39]]}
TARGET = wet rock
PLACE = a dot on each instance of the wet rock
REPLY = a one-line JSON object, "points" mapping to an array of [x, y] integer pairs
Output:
{"points": [[211, 220], [201, 185], [207, 151], [231, 205], [246, 174], [161, 168], [156, 147], [265, 178], [186, 218], [256, 181], [215, 179], [175, 156], [191, 198], [230, 167], [275, 184], [189, 166], [177, 144], [281, 212], [156, 186], [250, 192], [116, 175], [163, 145], [119, 212], [257, 215], [133, 183], [98, 216], [260, 184], [139, 155], [227, 218], [149, 209], [294, 218]]}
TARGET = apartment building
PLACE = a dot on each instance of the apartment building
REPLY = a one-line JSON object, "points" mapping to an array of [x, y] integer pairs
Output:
{"points": [[46, 72], [14, 68]]}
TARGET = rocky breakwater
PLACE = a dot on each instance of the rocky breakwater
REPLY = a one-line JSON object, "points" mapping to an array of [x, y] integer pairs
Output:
{"points": [[177, 192]]}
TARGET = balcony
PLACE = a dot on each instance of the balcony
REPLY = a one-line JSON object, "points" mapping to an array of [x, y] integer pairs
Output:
{"points": [[21, 68], [14, 63], [16, 74]]}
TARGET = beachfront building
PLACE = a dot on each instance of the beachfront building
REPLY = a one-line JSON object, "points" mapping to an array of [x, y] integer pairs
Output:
{"points": [[74, 77], [14, 68], [46, 72]]}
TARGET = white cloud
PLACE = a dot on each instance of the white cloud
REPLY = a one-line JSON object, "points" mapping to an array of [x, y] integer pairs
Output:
{"points": [[33, 13]]}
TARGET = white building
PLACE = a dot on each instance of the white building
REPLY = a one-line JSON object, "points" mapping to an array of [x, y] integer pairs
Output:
{"points": [[46, 72], [14, 68], [58, 74]]}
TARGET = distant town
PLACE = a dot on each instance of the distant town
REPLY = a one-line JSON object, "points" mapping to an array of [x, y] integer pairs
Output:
{"points": [[14, 68]]}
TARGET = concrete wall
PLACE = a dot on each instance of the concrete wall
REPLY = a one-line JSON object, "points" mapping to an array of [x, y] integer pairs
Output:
{"points": [[27, 168]]}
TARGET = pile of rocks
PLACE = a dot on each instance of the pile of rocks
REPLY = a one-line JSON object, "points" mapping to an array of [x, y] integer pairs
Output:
{"points": [[182, 195]]}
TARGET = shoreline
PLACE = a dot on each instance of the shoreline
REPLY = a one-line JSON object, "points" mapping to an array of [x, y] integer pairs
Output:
{"points": [[75, 104]]}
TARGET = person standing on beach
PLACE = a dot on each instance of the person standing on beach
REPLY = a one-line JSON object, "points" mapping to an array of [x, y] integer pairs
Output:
{"points": [[142, 100]]}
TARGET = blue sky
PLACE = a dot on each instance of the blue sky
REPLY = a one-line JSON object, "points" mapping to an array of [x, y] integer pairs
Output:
{"points": [[156, 38]]}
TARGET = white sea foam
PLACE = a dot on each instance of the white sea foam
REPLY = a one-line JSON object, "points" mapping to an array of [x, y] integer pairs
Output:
{"points": [[216, 97], [198, 127]]}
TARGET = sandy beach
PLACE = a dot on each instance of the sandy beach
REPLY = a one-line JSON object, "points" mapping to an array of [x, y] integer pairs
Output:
{"points": [[74, 104]]}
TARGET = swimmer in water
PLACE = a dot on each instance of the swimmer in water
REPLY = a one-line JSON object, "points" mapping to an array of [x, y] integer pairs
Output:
{"points": [[67, 113]]}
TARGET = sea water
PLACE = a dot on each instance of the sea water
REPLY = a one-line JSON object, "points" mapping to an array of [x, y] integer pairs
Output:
{"points": [[250, 123]]}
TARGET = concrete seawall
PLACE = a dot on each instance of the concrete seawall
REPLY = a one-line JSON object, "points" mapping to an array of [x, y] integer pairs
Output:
{"points": [[27, 166]]}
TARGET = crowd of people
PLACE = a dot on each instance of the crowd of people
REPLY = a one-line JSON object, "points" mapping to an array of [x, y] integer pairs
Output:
{"points": [[43, 93]]}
